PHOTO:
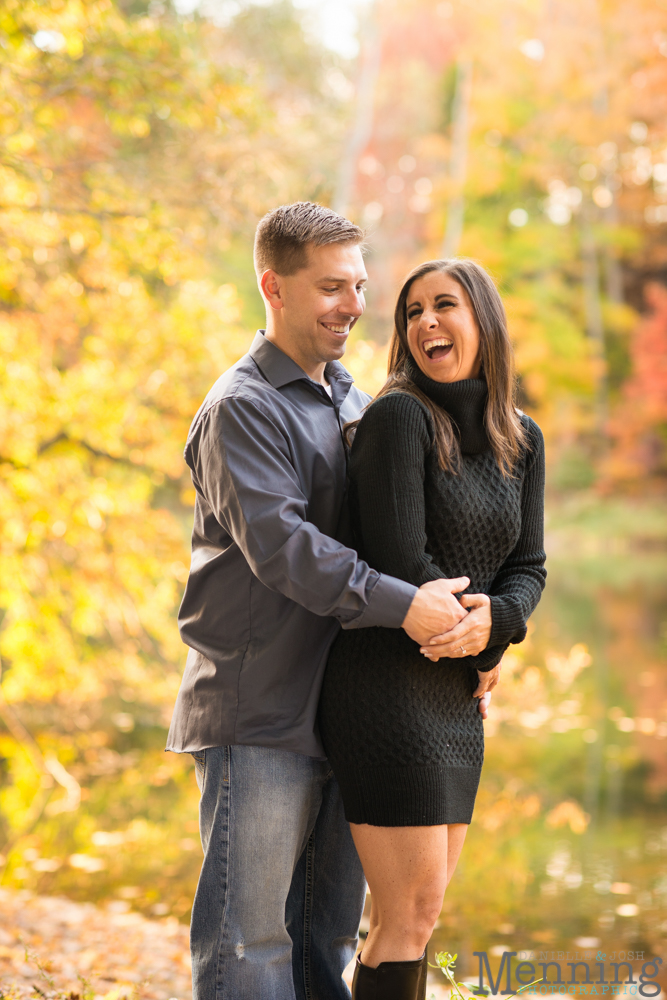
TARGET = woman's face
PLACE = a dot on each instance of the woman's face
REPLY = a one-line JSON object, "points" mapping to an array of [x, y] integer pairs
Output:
{"points": [[443, 335]]}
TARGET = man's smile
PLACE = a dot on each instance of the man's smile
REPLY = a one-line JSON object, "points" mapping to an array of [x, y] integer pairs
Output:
{"points": [[335, 327]]}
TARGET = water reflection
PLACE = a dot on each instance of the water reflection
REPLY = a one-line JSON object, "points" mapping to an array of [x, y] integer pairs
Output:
{"points": [[568, 848]]}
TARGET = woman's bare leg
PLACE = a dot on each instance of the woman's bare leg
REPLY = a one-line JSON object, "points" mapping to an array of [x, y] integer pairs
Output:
{"points": [[408, 869]]}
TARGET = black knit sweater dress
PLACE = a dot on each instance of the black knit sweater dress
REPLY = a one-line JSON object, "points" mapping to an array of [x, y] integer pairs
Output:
{"points": [[404, 735]]}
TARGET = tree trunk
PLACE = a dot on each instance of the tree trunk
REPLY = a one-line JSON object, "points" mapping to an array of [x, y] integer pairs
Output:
{"points": [[458, 156], [593, 315], [362, 126]]}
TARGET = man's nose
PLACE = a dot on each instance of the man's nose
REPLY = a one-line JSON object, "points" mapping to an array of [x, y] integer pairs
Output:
{"points": [[353, 304]]}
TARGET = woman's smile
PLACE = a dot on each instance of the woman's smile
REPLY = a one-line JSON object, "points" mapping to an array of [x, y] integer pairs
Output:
{"points": [[437, 348]]}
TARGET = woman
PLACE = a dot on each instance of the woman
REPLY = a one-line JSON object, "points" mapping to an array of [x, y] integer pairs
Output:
{"points": [[446, 480]]}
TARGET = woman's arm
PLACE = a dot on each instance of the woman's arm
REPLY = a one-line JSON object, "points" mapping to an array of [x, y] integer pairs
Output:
{"points": [[501, 617], [518, 585], [387, 488]]}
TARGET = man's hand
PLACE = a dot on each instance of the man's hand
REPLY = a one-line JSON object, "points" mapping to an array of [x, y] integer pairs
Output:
{"points": [[434, 609], [487, 681], [467, 638]]}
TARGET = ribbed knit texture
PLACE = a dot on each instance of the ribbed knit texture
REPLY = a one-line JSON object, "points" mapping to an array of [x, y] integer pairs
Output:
{"points": [[404, 735]]}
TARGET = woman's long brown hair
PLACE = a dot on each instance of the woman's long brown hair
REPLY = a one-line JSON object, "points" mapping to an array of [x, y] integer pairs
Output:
{"points": [[504, 429]]}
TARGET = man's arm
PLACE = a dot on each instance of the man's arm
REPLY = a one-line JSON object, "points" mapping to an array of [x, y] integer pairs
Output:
{"points": [[242, 464]]}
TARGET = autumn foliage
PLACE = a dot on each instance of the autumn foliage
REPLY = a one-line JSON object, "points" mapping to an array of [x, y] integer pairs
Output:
{"points": [[138, 148], [639, 426]]}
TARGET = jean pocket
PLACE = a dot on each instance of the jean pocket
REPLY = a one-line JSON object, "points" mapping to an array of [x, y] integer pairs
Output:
{"points": [[199, 757]]}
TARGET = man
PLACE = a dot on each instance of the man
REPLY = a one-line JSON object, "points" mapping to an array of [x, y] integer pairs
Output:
{"points": [[281, 890]]}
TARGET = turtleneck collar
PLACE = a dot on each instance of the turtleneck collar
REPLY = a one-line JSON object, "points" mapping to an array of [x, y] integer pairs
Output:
{"points": [[464, 401]]}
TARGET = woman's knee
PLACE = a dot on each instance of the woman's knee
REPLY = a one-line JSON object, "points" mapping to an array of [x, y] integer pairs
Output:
{"points": [[418, 910], [426, 909]]}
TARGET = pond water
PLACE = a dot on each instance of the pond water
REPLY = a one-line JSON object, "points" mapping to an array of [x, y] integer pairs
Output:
{"points": [[567, 853]]}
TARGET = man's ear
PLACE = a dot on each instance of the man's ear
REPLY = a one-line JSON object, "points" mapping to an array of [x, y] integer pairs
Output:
{"points": [[270, 285]]}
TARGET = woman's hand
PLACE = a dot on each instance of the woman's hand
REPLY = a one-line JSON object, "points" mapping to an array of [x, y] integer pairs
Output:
{"points": [[469, 637], [487, 681]]}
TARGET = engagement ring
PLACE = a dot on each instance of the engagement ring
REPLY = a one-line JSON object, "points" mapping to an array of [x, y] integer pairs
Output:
{"points": [[463, 652]]}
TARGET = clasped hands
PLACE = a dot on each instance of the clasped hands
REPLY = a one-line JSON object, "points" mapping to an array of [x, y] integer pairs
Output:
{"points": [[467, 628]]}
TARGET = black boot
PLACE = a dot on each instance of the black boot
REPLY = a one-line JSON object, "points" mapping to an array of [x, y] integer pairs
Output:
{"points": [[390, 981], [421, 994]]}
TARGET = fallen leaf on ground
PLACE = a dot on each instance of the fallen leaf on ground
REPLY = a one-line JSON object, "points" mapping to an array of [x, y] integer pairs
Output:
{"points": [[48, 944]]}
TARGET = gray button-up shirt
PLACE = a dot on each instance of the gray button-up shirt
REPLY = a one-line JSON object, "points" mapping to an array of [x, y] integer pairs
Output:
{"points": [[269, 584]]}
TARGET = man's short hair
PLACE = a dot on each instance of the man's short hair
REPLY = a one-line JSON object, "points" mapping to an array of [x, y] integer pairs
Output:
{"points": [[284, 235]]}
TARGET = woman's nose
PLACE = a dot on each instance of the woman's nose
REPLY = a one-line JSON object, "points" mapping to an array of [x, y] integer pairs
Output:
{"points": [[428, 320]]}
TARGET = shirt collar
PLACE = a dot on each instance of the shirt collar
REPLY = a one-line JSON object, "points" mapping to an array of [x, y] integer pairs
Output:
{"points": [[279, 369]]}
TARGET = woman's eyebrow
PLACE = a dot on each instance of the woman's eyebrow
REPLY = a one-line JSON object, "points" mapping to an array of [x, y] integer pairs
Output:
{"points": [[441, 295]]}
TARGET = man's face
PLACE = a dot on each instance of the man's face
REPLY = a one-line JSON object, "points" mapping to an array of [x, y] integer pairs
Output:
{"points": [[321, 303]]}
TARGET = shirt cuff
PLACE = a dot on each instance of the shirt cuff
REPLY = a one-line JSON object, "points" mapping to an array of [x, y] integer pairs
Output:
{"points": [[388, 604]]}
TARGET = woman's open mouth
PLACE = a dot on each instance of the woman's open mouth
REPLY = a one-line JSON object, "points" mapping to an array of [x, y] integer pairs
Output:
{"points": [[437, 349]]}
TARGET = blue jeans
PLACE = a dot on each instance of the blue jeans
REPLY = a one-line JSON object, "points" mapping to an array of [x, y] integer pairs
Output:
{"points": [[281, 889]]}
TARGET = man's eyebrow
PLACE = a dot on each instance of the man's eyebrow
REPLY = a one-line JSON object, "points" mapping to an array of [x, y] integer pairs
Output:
{"points": [[342, 280]]}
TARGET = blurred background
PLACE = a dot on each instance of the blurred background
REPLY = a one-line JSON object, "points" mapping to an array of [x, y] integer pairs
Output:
{"points": [[140, 143]]}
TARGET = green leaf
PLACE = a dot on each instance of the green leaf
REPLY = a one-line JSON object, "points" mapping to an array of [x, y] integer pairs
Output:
{"points": [[527, 986]]}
